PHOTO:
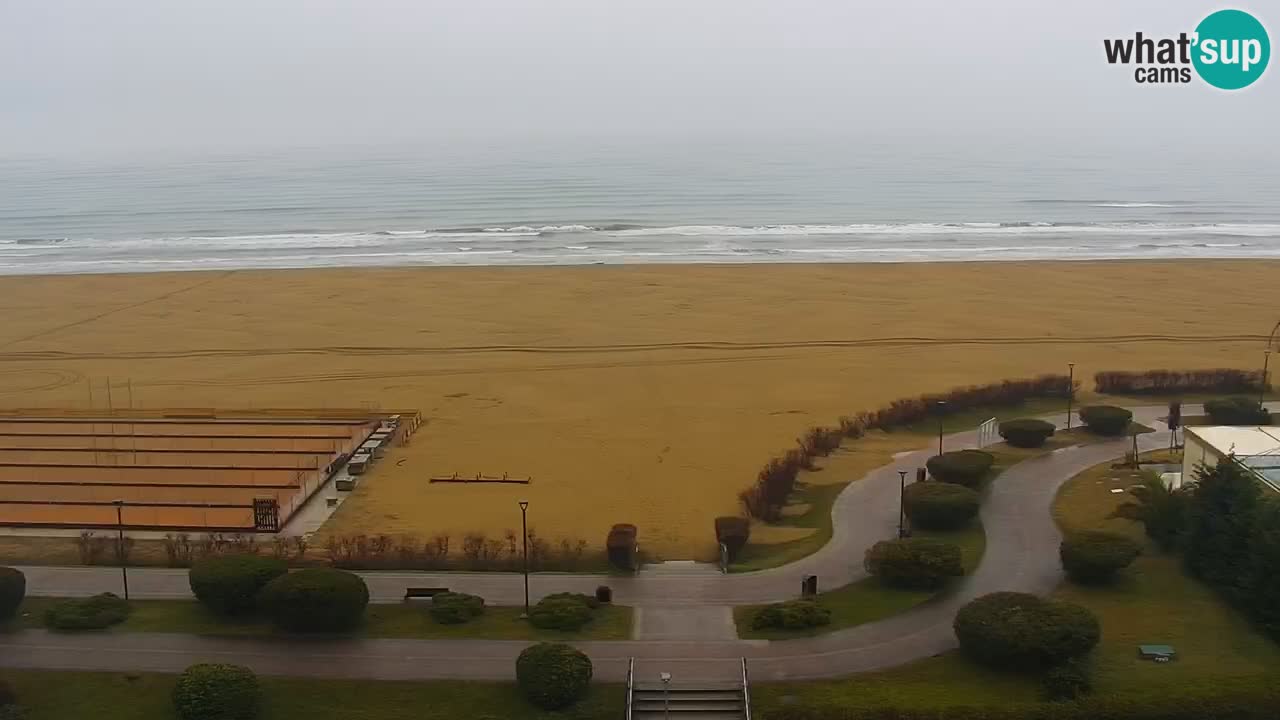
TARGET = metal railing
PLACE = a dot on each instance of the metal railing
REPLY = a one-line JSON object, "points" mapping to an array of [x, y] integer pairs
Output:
{"points": [[631, 671], [746, 692]]}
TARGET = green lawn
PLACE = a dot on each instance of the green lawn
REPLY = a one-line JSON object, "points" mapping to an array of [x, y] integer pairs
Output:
{"points": [[867, 600], [117, 696], [1155, 602], [611, 622], [970, 419]]}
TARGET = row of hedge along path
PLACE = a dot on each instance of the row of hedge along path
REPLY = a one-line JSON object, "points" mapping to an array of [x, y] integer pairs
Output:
{"points": [[1021, 555]]}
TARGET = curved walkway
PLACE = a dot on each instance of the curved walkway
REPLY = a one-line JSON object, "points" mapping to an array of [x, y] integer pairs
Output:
{"points": [[1021, 554]]}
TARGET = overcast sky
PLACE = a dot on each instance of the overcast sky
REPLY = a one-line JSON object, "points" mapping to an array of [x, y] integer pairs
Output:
{"points": [[186, 74]]}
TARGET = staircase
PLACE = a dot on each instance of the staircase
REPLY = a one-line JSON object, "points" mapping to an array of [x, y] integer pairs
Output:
{"points": [[649, 700]]}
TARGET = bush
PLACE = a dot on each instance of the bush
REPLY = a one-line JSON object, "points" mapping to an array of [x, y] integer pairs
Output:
{"points": [[940, 506], [589, 600], [733, 531], [94, 613], [1236, 411], [13, 712], [455, 608], [1162, 510], [962, 467], [229, 584], [1018, 630], [1106, 420], [791, 615], [7, 695], [1095, 556], [914, 563], [559, 613], [553, 675], [620, 545], [604, 594], [217, 692], [1068, 681], [315, 600], [1026, 432], [13, 589], [1168, 382]]}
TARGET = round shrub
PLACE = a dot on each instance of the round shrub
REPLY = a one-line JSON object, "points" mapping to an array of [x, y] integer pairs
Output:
{"points": [[13, 588], [553, 675], [962, 467], [316, 600], [1022, 631], [589, 600], [1068, 681], [559, 613], [1095, 556], [604, 594], [1105, 419], [456, 608], [914, 563], [791, 615], [1026, 432], [230, 584], [93, 613], [1236, 411], [217, 692], [940, 506]]}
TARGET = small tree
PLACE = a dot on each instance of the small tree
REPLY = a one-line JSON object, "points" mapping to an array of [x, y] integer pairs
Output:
{"points": [[1092, 557], [553, 675], [1161, 510], [918, 563], [1220, 522], [217, 692]]}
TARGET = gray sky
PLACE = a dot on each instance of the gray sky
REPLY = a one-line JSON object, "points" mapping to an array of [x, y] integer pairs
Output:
{"points": [[187, 74]]}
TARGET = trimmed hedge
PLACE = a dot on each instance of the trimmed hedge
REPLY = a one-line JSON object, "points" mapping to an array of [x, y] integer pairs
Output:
{"points": [[940, 506], [1027, 432], [553, 676], [1092, 557], [791, 615], [316, 600], [1021, 631], [620, 546], [1236, 411], [962, 467], [217, 692], [230, 584], [733, 531], [558, 612], [93, 613], [1106, 420], [13, 589], [914, 563], [455, 608], [1167, 382]]}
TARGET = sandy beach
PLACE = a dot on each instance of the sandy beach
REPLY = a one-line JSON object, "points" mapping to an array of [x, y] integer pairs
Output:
{"points": [[639, 394]]}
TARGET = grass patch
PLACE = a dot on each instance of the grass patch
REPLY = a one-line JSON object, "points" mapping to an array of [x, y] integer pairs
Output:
{"points": [[868, 600], [609, 622], [117, 696], [970, 419]]}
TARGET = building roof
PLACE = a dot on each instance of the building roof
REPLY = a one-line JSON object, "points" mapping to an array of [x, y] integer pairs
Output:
{"points": [[1241, 440]]}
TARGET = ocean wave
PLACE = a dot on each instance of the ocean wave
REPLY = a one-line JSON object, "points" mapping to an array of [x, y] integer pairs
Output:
{"points": [[1132, 205]]}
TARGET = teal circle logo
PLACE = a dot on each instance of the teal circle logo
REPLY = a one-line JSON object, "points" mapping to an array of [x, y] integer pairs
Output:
{"points": [[1231, 49]]}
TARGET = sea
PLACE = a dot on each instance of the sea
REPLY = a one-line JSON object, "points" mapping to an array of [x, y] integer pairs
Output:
{"points": [[577, 201]]}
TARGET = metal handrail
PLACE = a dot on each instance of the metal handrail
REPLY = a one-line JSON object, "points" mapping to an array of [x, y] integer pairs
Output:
{"points": [[631, 671], [746, 692]]}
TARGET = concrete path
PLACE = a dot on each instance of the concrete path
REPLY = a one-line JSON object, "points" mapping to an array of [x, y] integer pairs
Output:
{"points": [[1021, 554]]}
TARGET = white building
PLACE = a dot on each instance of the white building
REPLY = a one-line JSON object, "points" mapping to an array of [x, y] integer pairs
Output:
{"points": [[1257, 448]]}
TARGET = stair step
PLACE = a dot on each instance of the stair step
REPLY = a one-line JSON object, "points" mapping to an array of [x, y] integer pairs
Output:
{"points": [[659, 715], [689, 695], [675, 687], [683, 708]]}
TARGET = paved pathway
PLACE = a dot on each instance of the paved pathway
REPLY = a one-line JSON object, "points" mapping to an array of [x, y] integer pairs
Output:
{"points": [[1021, 554]]}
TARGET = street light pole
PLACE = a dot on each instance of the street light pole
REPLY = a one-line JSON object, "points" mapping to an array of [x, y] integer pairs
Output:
{"points": [[524, 532], [1262, 391], [1071, 390], [902, 504], [124, 570], [941, 405]]}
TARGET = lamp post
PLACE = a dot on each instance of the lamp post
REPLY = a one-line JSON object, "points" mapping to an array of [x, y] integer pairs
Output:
{"points": [[941, 405], [1266, 360], [124, 570], [1071, 390], [902, 504], [524, 532], [666, 694]]}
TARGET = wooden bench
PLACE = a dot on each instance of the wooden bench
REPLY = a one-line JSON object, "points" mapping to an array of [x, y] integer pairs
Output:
{"points": [[423, 592]]}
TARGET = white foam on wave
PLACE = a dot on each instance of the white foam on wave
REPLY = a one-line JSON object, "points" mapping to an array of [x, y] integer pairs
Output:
{"points": [[1132, 205]]}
